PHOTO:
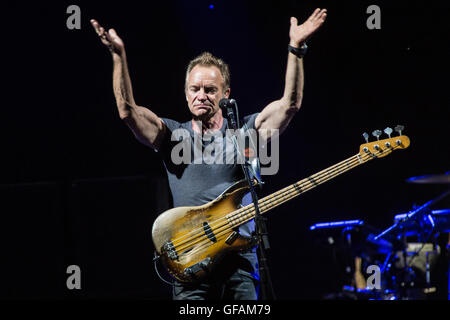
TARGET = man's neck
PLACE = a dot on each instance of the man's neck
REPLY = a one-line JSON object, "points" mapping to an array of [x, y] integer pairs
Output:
{"points": [[213, 123]]}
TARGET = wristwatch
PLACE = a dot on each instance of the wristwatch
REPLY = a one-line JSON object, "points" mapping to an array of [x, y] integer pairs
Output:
{"points": [[299, 52]]}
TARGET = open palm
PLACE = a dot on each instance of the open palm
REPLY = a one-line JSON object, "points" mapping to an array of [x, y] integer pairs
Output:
{"points": [[300, 33], [109, 38]]}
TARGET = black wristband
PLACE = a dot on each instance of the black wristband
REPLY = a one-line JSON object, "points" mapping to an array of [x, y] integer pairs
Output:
{"points": [[299, 52]]}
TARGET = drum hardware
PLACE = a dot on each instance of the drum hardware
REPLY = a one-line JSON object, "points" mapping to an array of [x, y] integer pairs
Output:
{"points": [[405, 264], [434, 178]]}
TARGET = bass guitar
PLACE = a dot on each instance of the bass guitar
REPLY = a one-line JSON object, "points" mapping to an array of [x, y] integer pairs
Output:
{"points": [[191, 240]]}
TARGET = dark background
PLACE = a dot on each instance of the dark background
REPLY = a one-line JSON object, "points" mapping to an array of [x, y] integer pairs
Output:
{"points": [[77, 188]]}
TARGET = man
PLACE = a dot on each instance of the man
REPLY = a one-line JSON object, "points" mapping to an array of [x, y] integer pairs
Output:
{"points": [[208, 81]]}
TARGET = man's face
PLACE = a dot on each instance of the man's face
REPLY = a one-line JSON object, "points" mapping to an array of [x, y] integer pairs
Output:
{"points": [[204, 91]]}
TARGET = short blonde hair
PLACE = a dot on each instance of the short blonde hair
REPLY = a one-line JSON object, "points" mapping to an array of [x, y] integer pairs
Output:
{"points": [[207, 59]]}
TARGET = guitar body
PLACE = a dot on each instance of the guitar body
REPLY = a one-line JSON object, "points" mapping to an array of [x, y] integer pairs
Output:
{"points": [[190, 240]]}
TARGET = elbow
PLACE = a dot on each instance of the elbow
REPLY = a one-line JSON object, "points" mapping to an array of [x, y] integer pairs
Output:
{"points": [[296, 101], [127, 112], [295, 106], [292, 104], [125, 109], [125, 116]]}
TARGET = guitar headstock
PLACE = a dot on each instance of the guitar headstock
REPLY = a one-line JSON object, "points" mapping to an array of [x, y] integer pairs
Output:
{"points": [[381, 148]]}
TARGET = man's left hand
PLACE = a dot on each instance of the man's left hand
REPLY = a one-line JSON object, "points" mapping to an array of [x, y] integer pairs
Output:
{"points": [[300, 33]]}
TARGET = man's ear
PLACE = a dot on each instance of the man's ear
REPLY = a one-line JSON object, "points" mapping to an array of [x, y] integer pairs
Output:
{"points": [[227, 93]]}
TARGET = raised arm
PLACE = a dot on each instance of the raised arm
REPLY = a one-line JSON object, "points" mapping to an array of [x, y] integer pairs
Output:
{"points": [[146, 126], [279, 113]]}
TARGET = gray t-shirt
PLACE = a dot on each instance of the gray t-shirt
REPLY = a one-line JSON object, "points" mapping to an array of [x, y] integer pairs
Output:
{"points": [[204, 176]]}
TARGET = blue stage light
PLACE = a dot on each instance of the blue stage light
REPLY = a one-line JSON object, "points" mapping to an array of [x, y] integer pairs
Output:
{"points": [[211, 6]]}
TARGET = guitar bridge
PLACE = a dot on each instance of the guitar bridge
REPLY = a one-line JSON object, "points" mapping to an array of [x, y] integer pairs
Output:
{"points": [[170, 250], [193, 270]]}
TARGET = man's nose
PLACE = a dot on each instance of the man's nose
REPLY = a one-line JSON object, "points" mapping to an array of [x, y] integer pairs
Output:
{"points": [[202, 95]]}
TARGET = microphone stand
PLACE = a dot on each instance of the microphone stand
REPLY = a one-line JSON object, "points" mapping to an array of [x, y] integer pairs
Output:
{"points": [[267, 292]]}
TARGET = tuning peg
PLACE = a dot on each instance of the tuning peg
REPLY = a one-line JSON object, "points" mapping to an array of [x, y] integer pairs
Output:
{"points": [[399, 129], [366, 137], [388, 131], [377, 134]]}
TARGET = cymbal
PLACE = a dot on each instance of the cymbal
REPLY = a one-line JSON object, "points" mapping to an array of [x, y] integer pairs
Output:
{"points": [[422, 224], [433, 178]]}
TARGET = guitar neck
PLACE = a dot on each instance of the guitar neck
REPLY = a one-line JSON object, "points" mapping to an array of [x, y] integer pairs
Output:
{"points": [[269, 202]]}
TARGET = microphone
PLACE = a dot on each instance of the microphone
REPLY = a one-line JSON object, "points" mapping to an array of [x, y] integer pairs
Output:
{"points": [[228, 105]]}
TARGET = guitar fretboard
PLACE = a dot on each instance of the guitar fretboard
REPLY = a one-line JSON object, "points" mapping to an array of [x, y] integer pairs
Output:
{"points": [[269, 202]]}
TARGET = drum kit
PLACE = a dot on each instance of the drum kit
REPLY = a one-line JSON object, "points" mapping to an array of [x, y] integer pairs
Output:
{"points": [[396, 263]]}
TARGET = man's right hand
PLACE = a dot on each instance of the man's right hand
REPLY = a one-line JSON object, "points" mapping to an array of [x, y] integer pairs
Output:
{"points": [[146, 126], [109, 38]]}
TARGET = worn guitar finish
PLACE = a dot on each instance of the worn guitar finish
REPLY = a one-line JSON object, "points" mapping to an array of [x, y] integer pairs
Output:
{"points": [[175, 226], [191, 240]]}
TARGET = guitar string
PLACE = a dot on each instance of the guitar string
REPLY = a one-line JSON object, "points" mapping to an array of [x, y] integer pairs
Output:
{"points": [[200, 230], [248, 216], [275, 197], [316, 175], [280, 195], [242, 216], [291, 195], [351, 162]]}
